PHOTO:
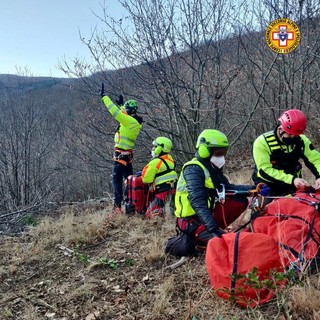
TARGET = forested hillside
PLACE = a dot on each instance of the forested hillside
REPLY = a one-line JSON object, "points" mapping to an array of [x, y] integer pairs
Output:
{"points": [[35, 164], [190, 65]]}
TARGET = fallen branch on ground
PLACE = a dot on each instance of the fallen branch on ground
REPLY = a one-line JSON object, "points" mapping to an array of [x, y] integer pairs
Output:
{"points": [[177, 264]]}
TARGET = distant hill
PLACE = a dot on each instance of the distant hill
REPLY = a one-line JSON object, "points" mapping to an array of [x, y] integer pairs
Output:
{"points": [[9, 81]]}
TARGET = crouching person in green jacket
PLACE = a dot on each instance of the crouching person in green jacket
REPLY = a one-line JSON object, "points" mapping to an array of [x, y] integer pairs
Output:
{"points": [[161, 175], [197, 208], [277, 153]]}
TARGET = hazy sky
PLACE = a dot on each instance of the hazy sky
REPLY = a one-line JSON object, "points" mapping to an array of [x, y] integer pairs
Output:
{"points": [[38, 33]]}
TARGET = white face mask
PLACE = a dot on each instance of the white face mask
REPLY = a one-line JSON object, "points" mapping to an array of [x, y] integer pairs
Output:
{"points": [[153, 155], [218, 161]]}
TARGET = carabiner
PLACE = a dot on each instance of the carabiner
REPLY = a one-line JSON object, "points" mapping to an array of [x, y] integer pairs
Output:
{"points": [[221, 194]]}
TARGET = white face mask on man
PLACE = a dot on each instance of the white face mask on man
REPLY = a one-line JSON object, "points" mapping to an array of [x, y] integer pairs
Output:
{"points": [[218, 161]]}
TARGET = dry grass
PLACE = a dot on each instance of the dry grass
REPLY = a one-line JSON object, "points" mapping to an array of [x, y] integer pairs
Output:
{"points": [[68, 227], [116, 270], [306, 299], [162, 297]]}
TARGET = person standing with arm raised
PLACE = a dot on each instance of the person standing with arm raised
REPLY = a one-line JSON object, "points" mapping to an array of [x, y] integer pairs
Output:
{"points": [[125, 138]]}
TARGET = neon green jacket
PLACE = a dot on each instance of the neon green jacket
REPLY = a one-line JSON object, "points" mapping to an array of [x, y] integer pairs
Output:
{"points": [[159, 170], [182, 200], [276, 162], [126, 135]]}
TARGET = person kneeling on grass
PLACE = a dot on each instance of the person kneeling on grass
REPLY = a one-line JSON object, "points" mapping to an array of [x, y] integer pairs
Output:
{"points": [[196, 211], [277, 156], [161, 175]]}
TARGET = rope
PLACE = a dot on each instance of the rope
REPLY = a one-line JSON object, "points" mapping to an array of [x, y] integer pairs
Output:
{"points": [[224, 217]]}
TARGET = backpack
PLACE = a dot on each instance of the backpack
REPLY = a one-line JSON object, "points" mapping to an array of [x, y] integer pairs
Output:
{"points": [[136, 192], [181, 245], [294, 224], [238, 263]]}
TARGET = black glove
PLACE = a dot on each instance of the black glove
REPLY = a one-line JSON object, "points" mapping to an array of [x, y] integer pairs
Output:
{"points": [[102, 93], [120, 101], [216, 233], [138, 118]]}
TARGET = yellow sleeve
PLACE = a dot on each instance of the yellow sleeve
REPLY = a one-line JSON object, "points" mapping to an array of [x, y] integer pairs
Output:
{"points": [[261, 157], [149, 171]]}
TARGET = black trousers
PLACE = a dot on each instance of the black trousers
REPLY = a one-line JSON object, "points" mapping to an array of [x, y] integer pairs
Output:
{"points": [[120, 172]]}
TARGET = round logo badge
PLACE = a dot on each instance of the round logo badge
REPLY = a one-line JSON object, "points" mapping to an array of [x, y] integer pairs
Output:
{"points": [[283, 35]]}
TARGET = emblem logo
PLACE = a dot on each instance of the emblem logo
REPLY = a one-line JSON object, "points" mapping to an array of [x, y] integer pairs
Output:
{"points": [[283, 35]]}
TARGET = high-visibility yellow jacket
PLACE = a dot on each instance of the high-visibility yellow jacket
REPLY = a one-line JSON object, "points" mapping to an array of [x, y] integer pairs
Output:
{"points": [[182, 200], [276, 162], [159, 170], [196, 194], [128, 131]]}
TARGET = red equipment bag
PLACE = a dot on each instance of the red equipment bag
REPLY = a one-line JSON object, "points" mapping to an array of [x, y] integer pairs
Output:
{"points": [[230, 260], [294, 223], [136, 195]]}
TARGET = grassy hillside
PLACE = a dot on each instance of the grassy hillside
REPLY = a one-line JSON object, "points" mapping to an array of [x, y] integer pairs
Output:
{"points": [[83, 265]]}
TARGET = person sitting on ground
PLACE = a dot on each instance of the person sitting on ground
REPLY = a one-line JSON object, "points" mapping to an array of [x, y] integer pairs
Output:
{"points": [[161, 175], [198, 212], [125, 137], [276, 155]]}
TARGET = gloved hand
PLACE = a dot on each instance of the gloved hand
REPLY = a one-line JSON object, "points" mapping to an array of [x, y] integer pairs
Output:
{"points": [[102, 92], [120, 101], [216, 233], [263, 189]]}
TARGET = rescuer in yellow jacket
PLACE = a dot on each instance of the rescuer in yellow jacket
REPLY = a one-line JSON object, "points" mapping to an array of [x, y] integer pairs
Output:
{"points": [[125, 137], [201, 208], [161, 175], [277, 153]]}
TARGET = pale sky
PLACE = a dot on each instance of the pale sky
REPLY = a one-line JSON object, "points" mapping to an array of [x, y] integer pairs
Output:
{"points": [[36, 34]]}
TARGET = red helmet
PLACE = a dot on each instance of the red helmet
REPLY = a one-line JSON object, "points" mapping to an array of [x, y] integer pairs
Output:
{"points": [[293, 121]]}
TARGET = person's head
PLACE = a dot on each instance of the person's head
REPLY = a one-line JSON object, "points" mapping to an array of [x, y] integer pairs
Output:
{"points": [[161, 145], [212, 145], [293, 122], [130, 106]]}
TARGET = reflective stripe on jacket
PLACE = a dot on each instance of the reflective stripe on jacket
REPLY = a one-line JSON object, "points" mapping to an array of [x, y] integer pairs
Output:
{"points": [[129, 129], [159, 170], [276, 162], [182, 203]]}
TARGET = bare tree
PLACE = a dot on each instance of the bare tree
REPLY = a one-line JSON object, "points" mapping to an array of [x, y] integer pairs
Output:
{"points": [[193, 64], [275, 82], [172, 56], [28, 139]]}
